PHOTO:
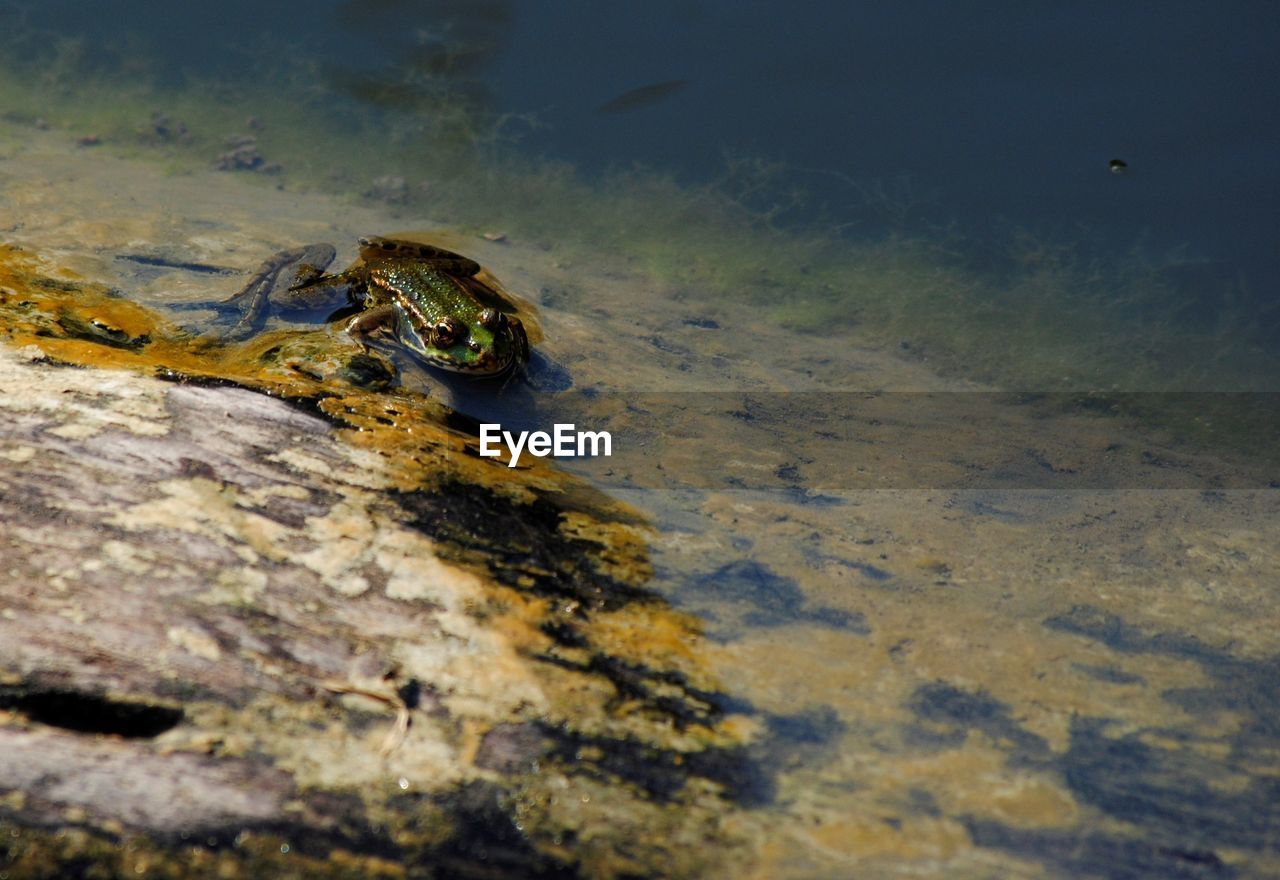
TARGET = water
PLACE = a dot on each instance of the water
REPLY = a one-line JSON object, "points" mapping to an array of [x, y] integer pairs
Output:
{"points": [[976, 113], [983, 132], [990, 110], [987, 633]]}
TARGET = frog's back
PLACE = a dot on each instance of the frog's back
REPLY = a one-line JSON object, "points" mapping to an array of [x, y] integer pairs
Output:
{"points": [[437, 294]]}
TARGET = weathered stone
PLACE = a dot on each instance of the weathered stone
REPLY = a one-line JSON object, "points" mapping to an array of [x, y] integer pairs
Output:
{"points": [[241, 598]]}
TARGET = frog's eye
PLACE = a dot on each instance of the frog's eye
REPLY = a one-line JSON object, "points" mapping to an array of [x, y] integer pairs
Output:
{"points": [[447, 332], [492, 318]]}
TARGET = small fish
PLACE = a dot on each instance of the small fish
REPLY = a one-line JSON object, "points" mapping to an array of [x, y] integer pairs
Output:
{"points": [[643, 96], [1118, 166]]}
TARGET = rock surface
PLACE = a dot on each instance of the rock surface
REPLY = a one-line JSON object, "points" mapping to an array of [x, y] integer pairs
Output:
{"points": [[311, 627]]}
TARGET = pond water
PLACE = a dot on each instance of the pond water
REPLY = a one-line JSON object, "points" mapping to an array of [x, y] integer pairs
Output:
{"points": [[956, 436]]}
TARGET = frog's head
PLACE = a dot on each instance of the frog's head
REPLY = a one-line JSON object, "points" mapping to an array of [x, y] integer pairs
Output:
{"points": [[488, 345]]}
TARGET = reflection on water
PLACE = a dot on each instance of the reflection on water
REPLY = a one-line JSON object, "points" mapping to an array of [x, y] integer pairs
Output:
{"points": [[986, 633]]}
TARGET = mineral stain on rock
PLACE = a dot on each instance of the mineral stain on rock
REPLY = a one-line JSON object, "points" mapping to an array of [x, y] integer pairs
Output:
{"points": [[236, 575]]}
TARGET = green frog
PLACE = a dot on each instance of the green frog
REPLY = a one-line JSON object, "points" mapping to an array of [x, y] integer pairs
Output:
{"points": [[440, 306]]}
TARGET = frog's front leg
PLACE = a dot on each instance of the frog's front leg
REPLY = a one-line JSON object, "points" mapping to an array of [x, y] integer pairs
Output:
{"points": [[273, 285], [370, 321]]}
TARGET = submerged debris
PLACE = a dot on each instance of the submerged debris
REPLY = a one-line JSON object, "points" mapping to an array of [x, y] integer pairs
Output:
{"points": [[163, 127], [643, 96], [389, 188], [243, 158], [244, 155]]}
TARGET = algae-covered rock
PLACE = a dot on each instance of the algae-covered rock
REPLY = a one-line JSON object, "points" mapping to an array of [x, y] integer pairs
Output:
{"points": [[261, 613]]}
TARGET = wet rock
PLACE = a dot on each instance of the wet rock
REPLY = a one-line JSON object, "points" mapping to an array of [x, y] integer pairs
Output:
{"points": [[241, 626], [132, 784], [508, 748]]}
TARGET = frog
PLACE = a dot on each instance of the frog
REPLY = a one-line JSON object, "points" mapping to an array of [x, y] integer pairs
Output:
{"points": [[441, 307]]}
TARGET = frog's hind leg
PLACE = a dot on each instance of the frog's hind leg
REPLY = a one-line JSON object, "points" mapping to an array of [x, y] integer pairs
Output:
{"points": [[312, 290], [374, 247], [272, 283]]}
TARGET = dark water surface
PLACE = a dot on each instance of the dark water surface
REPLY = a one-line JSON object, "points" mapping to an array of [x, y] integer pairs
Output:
{"points": [[989, 109], [989, 113]]}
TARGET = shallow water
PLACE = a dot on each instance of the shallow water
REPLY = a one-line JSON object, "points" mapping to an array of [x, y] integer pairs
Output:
{"points": [[1000, 634]]}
